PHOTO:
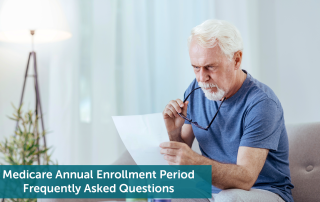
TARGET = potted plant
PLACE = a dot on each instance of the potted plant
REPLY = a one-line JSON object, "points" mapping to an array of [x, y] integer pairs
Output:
{"points": [[24, 148]]}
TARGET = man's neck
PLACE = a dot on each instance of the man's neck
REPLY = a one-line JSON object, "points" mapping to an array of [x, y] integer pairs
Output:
{"points": [[241, 77]]}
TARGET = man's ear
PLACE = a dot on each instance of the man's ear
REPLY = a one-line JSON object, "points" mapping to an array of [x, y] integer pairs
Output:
{"points": [[237, 58]]}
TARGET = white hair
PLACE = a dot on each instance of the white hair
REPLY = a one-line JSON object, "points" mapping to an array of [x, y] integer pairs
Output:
{"points": [[218, 32]]}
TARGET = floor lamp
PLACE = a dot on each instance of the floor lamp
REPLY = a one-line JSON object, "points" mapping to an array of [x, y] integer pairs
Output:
{"points": [[38, 107], [35, 21]]}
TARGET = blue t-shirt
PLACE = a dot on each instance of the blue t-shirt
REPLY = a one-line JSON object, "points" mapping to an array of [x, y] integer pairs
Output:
{"points": [[252, 117]]}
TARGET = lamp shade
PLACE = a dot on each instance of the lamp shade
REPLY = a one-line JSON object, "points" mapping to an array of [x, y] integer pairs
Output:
{"points": [[19, 17]]}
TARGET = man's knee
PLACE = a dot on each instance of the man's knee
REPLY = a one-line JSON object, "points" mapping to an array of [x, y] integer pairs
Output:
{"points": [[230, 195]]}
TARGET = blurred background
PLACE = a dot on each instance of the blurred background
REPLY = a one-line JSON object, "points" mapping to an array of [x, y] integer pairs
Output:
{"points": [[129, 57]]}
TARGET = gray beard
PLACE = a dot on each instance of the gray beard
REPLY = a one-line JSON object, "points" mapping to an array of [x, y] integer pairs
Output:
{"points": [[215, 96]]}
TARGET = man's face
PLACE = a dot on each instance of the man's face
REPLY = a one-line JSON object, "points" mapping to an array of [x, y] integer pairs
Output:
{"points": [[214, 72]]}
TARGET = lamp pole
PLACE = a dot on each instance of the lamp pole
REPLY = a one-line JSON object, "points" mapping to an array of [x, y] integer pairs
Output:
{"points": [[38, 107]]}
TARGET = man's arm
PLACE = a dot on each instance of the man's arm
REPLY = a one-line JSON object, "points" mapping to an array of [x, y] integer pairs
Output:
{"points": [[186, 135], [242, 175], [224, 176]]}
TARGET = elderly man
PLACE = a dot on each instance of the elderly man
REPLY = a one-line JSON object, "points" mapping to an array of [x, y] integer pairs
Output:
{"points": [[237, 120]]}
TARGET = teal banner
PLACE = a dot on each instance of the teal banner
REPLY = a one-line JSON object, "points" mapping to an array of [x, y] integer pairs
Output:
{"points": [[85, 181]]}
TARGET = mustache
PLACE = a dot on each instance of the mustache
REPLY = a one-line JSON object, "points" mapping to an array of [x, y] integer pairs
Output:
{"points": [[206, 85]]}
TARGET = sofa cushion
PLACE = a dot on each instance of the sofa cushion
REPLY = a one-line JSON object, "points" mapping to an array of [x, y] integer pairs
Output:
{"points": [[304, 158]]}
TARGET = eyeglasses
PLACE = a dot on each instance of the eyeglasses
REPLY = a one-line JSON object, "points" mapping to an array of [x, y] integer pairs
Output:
{"points": [[195, 123]]}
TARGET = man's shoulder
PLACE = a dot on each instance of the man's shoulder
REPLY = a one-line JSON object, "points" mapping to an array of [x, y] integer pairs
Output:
{"points": [[258, 92]]}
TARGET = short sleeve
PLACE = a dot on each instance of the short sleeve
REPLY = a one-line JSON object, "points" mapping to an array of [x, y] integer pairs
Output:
{"points": [[263, 124]]}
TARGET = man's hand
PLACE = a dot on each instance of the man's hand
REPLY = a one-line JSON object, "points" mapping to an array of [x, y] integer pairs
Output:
{"points": [[172, 119], [178, 153]]}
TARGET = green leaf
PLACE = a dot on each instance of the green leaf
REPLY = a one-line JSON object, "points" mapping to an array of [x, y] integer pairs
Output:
{"points": [[24, 147]]}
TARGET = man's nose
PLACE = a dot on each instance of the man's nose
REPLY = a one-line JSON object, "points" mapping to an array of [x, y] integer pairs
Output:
{"points": [[204, 76]]}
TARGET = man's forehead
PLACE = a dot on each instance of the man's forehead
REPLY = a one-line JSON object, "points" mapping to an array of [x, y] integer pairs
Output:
{"points": [[201, 56]]}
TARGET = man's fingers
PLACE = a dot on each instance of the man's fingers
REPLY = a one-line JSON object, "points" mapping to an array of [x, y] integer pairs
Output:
{"points": [[172, 152], [170, 107], [172, 145], [170, 158], [169, 113], [180, 102], [175, 105], [185, 107]]}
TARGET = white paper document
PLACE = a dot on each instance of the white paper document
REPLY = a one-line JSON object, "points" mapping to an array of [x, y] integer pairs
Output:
{"points": [[142, 135]]}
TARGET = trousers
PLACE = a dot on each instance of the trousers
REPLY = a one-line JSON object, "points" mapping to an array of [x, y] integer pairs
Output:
{"points": [[239, 195]]}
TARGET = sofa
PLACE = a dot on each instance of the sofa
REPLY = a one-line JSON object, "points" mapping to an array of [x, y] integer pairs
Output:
{"points": [[304, 157]]}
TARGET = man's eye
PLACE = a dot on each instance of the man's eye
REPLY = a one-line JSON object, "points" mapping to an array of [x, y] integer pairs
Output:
{"points": [[211, 67]]}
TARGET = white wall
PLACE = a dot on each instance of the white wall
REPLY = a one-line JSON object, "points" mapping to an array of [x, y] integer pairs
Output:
{"points": [[289, 52], [281, 49]]}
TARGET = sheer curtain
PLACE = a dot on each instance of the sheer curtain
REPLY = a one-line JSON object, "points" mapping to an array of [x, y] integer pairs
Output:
{"points": [[131, 57], [125, 58]]}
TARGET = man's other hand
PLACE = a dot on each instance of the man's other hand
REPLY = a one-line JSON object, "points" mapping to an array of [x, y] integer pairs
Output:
{"points": [[178, 153], [171, 117]]}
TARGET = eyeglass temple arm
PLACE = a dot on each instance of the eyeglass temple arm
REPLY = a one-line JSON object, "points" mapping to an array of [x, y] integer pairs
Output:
{"points": [[190, 94], [216, 113]]}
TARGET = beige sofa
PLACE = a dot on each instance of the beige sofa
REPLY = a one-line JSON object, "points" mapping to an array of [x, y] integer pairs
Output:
{"points": [[304, 157]]}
